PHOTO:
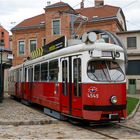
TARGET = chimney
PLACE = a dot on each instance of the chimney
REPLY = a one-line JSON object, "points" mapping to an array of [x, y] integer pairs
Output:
{"points": [[48, 3], [99, 3], [82, 4]]}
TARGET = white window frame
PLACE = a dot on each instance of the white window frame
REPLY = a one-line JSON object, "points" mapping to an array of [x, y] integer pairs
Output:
{"points": [[18, 48], [30, 44], [130, 37], [60, 26]]}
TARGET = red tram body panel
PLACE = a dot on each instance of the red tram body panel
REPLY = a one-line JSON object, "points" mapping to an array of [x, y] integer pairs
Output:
{"points": [[85, 81], [99, 106]]}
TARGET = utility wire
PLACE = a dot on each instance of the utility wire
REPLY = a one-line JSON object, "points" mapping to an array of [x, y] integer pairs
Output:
{"points": [[90, 2], [136, 25], [129, 4], [76, 5]]}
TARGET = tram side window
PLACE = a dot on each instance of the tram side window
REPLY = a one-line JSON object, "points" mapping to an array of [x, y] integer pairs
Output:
{"points": [[25, 75], [17, 76], [20, 75], [44, 71], [30, 74], [53, 70], [37, 72], [77, 76]]}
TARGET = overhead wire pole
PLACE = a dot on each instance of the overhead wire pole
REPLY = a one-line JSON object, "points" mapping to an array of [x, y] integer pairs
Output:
{"points": [[1, 77]]}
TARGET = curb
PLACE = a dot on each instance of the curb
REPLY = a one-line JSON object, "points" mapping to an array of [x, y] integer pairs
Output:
{"points": [[42, 122], [134, 111]]}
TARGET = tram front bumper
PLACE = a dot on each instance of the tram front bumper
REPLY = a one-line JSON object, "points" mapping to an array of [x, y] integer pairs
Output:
{"points": [[113, 112]]}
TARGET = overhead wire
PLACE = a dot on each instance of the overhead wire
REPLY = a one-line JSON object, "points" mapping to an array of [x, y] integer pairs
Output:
{"points": [[76, 5], [129, 4], [136, 25], [126, 6]]}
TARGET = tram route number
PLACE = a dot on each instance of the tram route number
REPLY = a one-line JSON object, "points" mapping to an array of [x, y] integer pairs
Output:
{"points": [[93, 95]]}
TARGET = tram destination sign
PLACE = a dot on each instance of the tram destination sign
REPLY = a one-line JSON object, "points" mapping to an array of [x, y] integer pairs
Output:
{"points": [[55, 45], [50, 47]]}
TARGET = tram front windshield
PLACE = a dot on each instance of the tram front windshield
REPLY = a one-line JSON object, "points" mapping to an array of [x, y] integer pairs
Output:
{"points": [[105, 70]]}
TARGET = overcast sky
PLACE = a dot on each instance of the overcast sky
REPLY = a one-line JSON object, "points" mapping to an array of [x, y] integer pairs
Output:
{"points": [[13, 12]]}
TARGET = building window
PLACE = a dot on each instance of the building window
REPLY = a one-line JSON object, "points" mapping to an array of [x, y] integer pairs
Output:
{"points": [[132, 81], [33, 44], [56, 27], [131, 42], [2, 34], [133, 67], [21, 46], [43, 41], [1, 42]]}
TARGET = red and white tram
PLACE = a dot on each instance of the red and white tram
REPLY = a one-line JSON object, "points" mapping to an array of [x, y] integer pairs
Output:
{"points": [[85, 81]]}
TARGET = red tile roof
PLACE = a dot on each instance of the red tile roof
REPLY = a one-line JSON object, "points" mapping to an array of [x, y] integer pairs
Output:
{"points": [[100, 12], [33, 21]]}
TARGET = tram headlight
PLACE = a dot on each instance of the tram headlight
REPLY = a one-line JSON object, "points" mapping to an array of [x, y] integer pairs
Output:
{"points": [[117, 54], [114, 100]]}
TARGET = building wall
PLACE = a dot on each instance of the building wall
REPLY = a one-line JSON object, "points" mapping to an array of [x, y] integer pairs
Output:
{"points": [[133, 54], [26, 35], [53, 14], [120, 18], [134, 50], [65, 26], [4, 35], [104, 25]]}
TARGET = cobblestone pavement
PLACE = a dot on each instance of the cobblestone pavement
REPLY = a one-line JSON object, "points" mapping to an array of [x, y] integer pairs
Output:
{"points": [[48, 131], [12, 112], [18, 121]]}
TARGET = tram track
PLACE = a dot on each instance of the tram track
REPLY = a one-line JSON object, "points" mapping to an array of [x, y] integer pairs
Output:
{"points": [[127, 127], [113, 130], [100, 133]]}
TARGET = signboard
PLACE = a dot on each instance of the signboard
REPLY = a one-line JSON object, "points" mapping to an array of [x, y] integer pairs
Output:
{"points": [[51, 47], [55, 45]]}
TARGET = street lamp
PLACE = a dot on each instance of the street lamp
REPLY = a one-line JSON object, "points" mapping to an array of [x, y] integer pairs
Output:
{"points": [[1, 77]]}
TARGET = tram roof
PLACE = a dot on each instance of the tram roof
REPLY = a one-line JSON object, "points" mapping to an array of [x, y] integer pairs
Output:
{"points": [[72, 50], [76, 49]]}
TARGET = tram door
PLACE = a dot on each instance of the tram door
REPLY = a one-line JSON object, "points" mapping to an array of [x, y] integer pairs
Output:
{"points": [[71, 100], [18, 84], [29, 79], [65, 86], [76, 87]]}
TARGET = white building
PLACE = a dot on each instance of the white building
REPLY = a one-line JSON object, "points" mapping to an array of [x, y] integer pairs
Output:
{"points": [[131, 39]]}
